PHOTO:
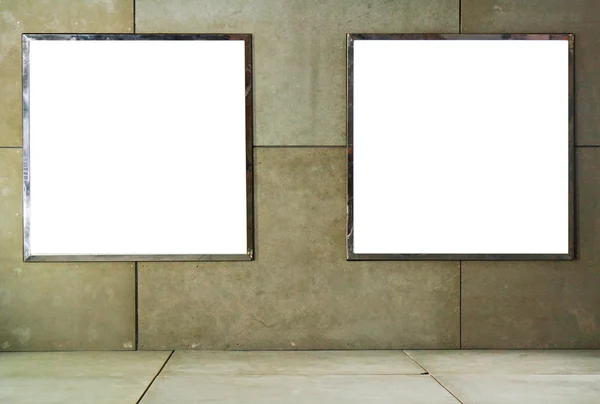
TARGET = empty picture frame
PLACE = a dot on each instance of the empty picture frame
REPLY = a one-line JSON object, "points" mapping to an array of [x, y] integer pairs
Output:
{"points": [[460, 147], [137, 147]]}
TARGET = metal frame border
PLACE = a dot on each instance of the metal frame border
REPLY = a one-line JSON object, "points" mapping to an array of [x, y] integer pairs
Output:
{"points": [[351, 256], [249, 94]]}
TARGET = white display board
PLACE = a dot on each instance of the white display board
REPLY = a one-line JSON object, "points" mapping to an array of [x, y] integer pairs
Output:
{"points": [[137, 147], [460, 147]]}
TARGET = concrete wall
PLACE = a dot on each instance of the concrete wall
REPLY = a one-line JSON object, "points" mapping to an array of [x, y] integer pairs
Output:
{"points": [[300, 292], [53, 306]]}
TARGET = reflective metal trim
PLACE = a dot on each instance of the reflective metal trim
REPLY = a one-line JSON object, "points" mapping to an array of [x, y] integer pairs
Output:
{"points": [[350, 255], [247, 38]]}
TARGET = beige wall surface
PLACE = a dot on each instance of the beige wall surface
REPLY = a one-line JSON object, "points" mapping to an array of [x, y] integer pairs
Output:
{"points": [[545, 304], [299, 52], [300, 292], [53, 306]]}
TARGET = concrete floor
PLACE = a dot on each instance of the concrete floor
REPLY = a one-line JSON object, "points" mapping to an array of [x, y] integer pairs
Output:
{"points": [[433, 377]]}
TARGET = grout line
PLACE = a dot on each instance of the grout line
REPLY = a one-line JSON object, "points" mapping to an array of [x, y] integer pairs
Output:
{"points": [[444, 387], [154, 378], [459, 304], [137, 328], [459, 16], [300, 146], [134, 1], [291, 146], [311, 146]]}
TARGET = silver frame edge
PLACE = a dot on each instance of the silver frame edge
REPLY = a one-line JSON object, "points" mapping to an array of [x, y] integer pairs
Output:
{"points": [[26, 38]]}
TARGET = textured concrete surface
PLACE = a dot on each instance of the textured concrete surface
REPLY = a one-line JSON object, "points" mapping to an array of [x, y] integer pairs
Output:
{"points": [[501, 377], [34, 16], [294, 377], [509, 362], [56, 306], [299, 52], [293, 363], [580, 17], [300, 292], [512, 305], [468, 377], [530, 389], [77, 377], [297, 389]]}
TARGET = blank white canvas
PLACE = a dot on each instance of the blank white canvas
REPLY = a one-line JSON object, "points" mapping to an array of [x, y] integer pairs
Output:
{"points": [[461, 147], [137, 147]]}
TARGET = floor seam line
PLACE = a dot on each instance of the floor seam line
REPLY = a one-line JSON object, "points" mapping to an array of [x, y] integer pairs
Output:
{"points": [[444, 387], [233, 375], [417, 363], [154, 378]]}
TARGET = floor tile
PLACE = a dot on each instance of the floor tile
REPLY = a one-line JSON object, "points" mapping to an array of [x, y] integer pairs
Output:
{"points": [[523, 389], [293, 363], [509, 362], [300, 292], [77, 377], [296, 389], [299, 52]]}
